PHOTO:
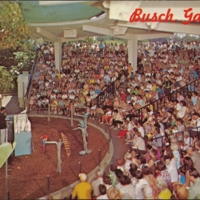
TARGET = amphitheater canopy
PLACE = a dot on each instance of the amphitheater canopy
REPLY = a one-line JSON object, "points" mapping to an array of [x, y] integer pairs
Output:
{"points": [[61, 21], [49, 12]]}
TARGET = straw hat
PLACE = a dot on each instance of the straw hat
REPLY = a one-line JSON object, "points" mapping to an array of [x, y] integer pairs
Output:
{"points": [[82, 177]]}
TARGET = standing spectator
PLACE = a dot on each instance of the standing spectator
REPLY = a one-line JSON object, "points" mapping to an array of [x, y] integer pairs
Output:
{"points": [[152, 161], [162, 171], [127, 190], [103, 192], [194, 192], [95, 183], [112, 174], [180, 192], [151, 180], [107, 181], [187, 164], [195, 157], [2, 125], [141, 183], [165, 193], [114, 194], [83, 189], [171, 168], [176, 153]]}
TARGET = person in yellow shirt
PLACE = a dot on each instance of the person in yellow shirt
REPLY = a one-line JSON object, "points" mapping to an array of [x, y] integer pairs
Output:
{"points": [[54, 106], [106, 67], [165, 193], [92, 81], [130, 69], [58, 75], [83, 189]]}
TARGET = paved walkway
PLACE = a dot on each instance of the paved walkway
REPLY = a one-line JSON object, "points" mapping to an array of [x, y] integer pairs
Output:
{"points": [[120, 147], [11, 104]]}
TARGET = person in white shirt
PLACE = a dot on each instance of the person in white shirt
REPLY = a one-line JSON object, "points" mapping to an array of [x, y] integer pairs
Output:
{"points": [[127, 163], [127, 190], [140, 129], [140, 185], [138, 142], [171, 168], [177, 106], [181, 109], [149, 86], [103, 192], [116, 47], [187, 141], [179, 78], [95, 183], [107, 181], [129, 134]]}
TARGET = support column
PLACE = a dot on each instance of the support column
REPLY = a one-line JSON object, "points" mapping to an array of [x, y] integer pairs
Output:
{"points": [[58, 54], [22, 82], [132, 53]]}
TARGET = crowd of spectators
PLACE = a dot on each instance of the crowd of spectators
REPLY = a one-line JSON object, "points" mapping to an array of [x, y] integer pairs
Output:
{"points": [[164, 159], [85, 72], [156, 174]]}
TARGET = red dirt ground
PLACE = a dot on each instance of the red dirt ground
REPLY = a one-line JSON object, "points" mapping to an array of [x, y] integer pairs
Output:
{"points": [[28, 174]]}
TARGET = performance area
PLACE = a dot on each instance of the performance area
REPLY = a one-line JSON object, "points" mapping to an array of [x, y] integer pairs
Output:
{"points": [[30, 180]]}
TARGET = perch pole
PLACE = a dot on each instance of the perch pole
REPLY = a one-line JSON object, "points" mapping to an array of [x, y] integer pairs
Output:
{"points": [[58, 144]]}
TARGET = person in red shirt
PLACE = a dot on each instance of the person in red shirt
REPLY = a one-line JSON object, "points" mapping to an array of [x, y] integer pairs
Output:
{"points": [[123, 96]]}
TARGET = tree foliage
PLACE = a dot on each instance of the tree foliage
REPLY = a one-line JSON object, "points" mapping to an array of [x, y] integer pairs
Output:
{"points": [[6, 80], [110, 39], [14, 31], [89, 40], [16, 50]]}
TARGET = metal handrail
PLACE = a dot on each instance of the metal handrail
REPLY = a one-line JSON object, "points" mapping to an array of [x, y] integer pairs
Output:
{"points": [[176, 133], [31, 76], [29, 86], [155, 103], [111, 88]]}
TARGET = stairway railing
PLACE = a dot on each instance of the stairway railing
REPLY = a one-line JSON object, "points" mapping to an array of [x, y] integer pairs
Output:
{"points": [[31, 75], [110, 89], [28, 90], [157, 104], [193, 132]]}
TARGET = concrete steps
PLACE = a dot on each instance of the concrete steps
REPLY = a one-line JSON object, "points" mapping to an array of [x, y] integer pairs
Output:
{"points": [[12, 92], [12, 107]]}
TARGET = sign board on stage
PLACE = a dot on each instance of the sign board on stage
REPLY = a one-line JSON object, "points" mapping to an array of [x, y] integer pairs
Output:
{"points": [[22, 134]]}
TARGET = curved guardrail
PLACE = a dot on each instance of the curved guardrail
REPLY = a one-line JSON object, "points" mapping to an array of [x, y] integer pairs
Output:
{"points": [[65, 192]]}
